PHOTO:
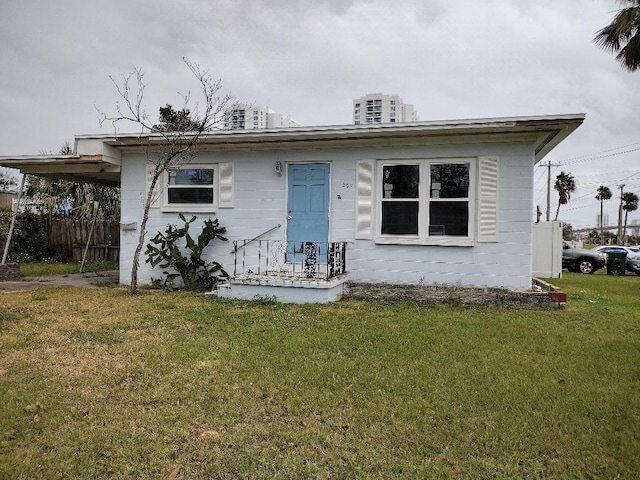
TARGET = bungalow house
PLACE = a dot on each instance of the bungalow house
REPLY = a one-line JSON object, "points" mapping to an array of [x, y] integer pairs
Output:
{"points": [[308, 208]]}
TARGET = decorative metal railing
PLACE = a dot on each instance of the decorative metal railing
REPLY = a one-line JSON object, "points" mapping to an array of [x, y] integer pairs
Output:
{"points": [[307, 260]]}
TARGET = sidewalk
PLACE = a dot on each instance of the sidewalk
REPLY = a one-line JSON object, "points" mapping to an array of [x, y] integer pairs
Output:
{"points": [[85, 280]]}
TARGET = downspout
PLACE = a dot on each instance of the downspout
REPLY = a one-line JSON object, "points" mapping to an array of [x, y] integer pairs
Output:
{"points": [[13, 221]]}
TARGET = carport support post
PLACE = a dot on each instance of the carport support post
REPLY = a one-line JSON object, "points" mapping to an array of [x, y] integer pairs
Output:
{"points": [[13, 221], [86, 248]]}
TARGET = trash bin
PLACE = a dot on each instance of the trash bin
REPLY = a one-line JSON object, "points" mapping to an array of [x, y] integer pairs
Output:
{"points": [[616, 262]]}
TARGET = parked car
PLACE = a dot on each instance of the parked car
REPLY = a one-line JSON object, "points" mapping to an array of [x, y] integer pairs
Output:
{"points": [[633, 255], [581, 260]]}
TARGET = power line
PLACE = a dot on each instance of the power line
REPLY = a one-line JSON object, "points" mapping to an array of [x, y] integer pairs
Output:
{"points": [[608, 173], [601, 156], [597, 184], [595, 156], [590, 195], [540, 190], [617, 180], [549, 165]]}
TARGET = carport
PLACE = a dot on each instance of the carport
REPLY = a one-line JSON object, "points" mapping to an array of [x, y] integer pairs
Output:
{"points": [[83, 167]]}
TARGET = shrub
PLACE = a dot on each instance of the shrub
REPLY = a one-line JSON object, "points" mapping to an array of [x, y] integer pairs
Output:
{"points": [[196, 274], [30, 240]]}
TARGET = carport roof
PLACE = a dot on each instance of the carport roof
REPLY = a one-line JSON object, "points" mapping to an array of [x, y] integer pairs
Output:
{"points": [[98, 158], [77, 168]]}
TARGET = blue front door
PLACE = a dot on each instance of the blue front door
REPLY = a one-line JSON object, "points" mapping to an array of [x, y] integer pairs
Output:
{"points": [[308, 204]]}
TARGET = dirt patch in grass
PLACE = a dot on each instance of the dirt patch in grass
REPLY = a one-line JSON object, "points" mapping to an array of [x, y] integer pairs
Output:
{"points": [[80, 280], [450, 295]]}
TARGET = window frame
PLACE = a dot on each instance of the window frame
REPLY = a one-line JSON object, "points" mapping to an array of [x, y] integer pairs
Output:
{"points": [[424, 200], [191, 207]]}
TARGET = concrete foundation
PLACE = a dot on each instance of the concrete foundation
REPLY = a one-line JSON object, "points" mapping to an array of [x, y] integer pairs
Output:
{"points": [[285, 290]]}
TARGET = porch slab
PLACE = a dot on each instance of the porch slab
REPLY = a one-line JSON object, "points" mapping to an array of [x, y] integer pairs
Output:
{"points": [[285, 290]]}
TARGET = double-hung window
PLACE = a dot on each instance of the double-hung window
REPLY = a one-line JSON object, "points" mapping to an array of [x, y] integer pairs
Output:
{"points": [[426, 201], [193, 186], [440, 201]]}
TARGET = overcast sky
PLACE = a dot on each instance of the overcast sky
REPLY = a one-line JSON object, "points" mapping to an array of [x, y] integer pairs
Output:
{"points": [[451, 59]]}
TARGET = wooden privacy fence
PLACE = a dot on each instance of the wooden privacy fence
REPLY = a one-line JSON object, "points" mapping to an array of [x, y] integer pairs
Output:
{"points": [[73, 235], [6, 200]]}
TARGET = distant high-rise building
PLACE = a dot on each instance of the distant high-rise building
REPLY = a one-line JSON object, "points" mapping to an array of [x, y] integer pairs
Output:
{"points": [[249, 117], [605, 220], [381, 108]]}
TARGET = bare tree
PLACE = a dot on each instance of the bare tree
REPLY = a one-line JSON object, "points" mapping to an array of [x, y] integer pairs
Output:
{"points": [[166, 148]]}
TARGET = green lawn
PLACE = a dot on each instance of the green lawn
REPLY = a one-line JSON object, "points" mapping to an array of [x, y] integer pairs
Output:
{"points": [[39, 269], [100, 384]]}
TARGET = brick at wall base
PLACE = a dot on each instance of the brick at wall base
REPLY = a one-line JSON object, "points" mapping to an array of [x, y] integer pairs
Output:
{"points": [[10, 271], [558, 296]]}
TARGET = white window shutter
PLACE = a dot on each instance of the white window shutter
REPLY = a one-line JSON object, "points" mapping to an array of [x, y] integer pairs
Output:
{"points": [[225, 199], [155, 201], [364, 200], [488, 199]]}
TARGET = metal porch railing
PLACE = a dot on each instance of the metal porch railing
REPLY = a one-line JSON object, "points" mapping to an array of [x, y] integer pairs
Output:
{"points": [[302, 260]]}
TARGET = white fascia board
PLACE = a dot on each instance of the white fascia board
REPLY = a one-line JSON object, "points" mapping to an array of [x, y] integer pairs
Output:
{"points": [[97, 146], [498, 122], [549, 129]]}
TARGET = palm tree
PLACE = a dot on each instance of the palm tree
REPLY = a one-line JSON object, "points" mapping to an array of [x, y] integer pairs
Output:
{"points": [[565, 185], [629, 204], [603, 194], [622, 35], [50, 197], [68, 198], [6, 180]]}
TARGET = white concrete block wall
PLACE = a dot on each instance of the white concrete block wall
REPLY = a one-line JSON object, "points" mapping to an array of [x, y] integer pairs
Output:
{"points": [[260, 204]]}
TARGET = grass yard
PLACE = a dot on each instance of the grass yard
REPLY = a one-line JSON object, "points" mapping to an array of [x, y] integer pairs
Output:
{"points": [[39, 269], [100, 384]]}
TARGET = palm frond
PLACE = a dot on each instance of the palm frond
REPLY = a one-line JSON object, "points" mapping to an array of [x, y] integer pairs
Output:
{"points": [[622, 35]]}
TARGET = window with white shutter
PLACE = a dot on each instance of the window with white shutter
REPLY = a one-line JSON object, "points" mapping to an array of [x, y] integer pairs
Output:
{"points": [[426, 201], [196, 188], [226, 185], [364, 199], [488, 199]]}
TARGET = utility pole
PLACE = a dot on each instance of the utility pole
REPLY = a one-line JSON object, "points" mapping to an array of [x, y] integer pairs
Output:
{"points": [[620, 239], [549, 165]]}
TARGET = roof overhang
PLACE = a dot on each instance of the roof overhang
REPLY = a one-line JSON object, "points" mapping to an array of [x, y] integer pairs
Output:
{"points": [[76, 168], [98, 157]]}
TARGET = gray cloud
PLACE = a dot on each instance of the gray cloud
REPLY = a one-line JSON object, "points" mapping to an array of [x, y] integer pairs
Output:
{"points": [[310, 58]]}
